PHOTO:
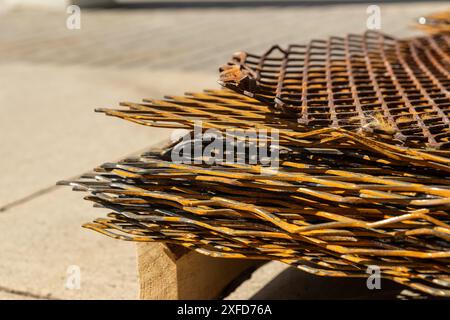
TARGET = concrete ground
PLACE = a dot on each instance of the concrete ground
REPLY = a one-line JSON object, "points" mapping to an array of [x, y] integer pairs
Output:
{"points": [[52, 78]]}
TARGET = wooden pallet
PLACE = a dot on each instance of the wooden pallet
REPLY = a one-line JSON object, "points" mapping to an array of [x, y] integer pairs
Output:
{"points": [[172, 272]]}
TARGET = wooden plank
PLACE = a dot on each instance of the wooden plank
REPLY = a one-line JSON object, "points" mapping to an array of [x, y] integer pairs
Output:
{"points": [[173, 272]]}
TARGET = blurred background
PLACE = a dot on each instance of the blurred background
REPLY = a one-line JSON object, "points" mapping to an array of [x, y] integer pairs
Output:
{"points": [[51, 79]]}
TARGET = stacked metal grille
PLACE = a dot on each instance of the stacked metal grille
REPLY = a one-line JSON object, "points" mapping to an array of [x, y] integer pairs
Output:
{"points": [[363, 163], [348, 82]]}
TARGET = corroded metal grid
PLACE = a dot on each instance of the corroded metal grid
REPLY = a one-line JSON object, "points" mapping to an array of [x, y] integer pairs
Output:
{"points": [[436, 23], [355, 82], [326, 221], [223, 109], [339, 201]]}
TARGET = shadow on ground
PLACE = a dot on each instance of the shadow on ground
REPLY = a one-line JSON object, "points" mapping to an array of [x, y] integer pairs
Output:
{"points": [[295, 284]]}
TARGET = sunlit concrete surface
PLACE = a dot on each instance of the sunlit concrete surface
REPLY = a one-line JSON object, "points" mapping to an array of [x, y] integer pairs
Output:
{"points": [[49, 133], [187, 38], [52, 78]]}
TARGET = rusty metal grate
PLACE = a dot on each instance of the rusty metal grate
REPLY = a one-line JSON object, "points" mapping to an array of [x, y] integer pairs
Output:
{"points": [[339, 201], [356, 82], [362, 127], [242, 216], [234, 212]]}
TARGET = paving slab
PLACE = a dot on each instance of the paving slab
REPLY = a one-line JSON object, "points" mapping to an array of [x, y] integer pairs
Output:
{"points": [[50, 131], [44, 249]]}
